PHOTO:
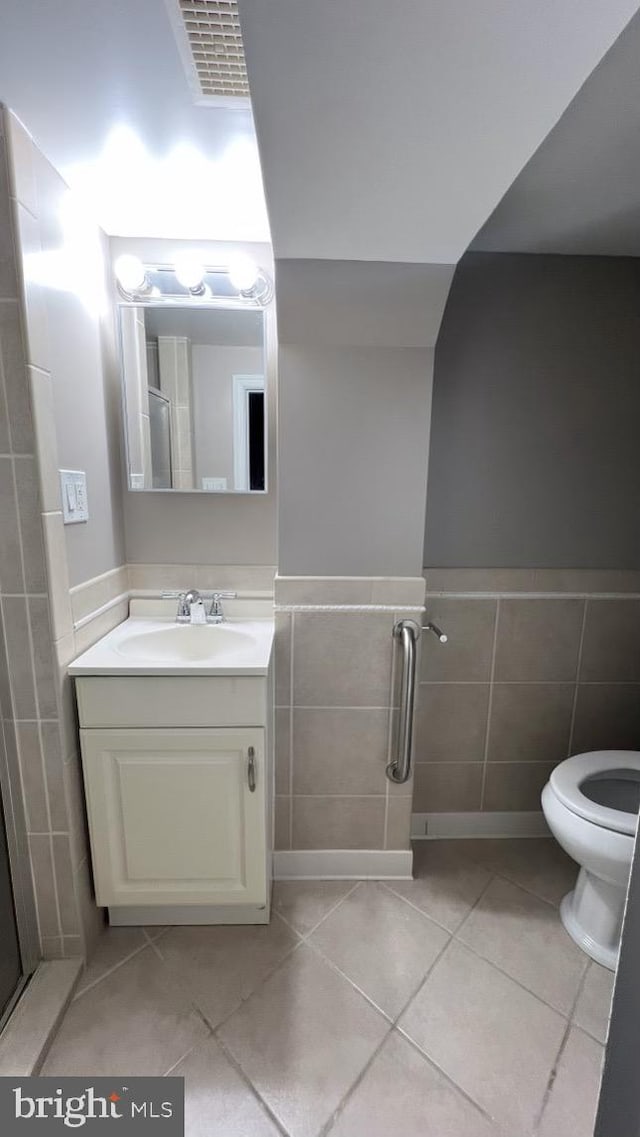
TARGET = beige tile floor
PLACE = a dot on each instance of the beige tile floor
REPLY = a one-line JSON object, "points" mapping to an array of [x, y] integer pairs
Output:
{"points": [[451, 1006]]}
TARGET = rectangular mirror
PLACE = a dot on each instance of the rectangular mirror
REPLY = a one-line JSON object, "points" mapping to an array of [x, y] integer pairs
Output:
{"points": [[195, 407]]}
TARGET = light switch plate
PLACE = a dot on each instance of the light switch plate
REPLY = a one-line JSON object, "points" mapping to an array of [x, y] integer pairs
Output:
{"points": [[73, 487]]}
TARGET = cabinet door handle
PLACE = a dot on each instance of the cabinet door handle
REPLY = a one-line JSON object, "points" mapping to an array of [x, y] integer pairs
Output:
{"points": [[251, 769]]}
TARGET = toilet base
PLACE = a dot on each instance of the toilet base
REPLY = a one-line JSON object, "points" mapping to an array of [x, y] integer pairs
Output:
{"points": [[592, 915]]}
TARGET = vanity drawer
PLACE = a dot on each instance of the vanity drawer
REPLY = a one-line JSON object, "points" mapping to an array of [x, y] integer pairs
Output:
{"points": [[129, 701]]}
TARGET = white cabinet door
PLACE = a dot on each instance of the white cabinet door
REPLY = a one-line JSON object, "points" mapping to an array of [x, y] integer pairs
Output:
{"points": [[173, 818]]}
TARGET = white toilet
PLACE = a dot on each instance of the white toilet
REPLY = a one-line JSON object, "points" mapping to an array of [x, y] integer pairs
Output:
{"points": [[591, 805]]}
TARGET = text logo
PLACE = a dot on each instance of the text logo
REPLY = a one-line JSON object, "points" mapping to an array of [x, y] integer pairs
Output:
{"points": [[135, 1106]]}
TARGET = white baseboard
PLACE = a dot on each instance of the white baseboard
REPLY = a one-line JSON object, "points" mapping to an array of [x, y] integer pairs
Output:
{"points": [[343, 864], [430, 826], [151, 914]]}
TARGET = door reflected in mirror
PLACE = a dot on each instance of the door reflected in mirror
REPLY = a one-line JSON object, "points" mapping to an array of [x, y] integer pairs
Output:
{"points": [[194, 398]]}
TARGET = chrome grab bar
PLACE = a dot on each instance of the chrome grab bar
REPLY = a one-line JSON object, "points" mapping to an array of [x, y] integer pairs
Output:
{"points": [[407, 631], [442, 636]]}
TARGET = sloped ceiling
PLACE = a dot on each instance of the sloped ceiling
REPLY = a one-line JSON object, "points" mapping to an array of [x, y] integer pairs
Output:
{"points": [[580, 192], [389, 131]]}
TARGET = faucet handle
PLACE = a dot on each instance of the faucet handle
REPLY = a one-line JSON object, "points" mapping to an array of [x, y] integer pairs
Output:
{"points": [[223, 595], [171, 594]]}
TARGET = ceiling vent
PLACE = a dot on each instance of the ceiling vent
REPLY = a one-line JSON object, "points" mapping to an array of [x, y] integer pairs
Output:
{"points": [[210, 44]]}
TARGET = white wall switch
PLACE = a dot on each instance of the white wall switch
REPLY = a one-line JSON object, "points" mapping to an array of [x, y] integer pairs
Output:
{"points": [[73, 487]]}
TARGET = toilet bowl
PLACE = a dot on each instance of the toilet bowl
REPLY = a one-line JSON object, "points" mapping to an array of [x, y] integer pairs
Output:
{"points": [[591, 806]]}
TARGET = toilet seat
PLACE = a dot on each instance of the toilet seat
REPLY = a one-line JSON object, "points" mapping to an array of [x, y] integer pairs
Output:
{"points": [[567, 778]]}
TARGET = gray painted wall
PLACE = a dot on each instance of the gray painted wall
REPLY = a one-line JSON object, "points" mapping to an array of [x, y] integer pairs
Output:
{"points": [[534, 454], [353, 459]]}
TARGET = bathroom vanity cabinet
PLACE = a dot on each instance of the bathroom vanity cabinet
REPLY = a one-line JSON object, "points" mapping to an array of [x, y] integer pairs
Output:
{"points": [[178, 776]]}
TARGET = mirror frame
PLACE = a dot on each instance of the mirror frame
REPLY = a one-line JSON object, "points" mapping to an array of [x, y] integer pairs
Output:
{"points": [[211, 302]]}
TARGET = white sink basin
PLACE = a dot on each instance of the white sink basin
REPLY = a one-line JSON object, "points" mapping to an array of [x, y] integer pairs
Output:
{"points": [[186, 642], [160, 646]]}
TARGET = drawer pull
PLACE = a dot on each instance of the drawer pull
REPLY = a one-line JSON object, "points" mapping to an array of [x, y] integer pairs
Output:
{"points": [[251, 769]]}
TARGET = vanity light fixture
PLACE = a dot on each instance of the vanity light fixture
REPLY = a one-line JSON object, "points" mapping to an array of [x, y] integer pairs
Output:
{"points": [[249, 279], [243, 272], [131, 274], [190, 273], [240, 284]]}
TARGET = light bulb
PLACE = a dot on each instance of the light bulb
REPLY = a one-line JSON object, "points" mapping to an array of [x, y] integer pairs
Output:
{"points": [[243, 272], [189, 271], [130, 273]]}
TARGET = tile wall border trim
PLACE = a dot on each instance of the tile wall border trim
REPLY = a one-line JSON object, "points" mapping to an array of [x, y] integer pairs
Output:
{"points": [[348, 608], [343, 864], [436, 826], [498, 595], [124, 595], [82, 623]]}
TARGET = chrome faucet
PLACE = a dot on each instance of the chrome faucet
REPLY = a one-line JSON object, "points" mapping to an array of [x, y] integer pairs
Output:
{"points": [[216, 612], [185, 600], [215, 615]]}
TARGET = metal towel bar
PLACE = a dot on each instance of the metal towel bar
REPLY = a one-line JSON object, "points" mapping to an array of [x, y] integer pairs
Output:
{"points": [[408, 632]]}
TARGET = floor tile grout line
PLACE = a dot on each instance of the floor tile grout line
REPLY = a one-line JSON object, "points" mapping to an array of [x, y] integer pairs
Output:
{"points": [[337, 970], [502, 873], [574, 707], [233, 1062], [289, 925], [585, 1030], [265, 979], [303, 936], [476, 902], [537, 1122], [396, 1023], [518, 982], [487, 737], [558, 1058], [342, 1104], [152, 944], [441, 1071], [214, 1027], [334, 908], [393, 1025], [523, 987], [352, 983], [526, 889], [131, 955], [493, 874], [388, 885], [183, 1058], [163, 931]]}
